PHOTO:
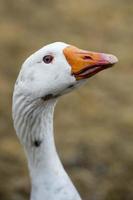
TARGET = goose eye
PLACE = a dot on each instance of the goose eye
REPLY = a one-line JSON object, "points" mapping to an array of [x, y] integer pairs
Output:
{"points": [[47, 59]]}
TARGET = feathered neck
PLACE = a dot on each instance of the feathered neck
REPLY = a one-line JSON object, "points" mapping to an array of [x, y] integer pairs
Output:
{"points": [[33, 121]]}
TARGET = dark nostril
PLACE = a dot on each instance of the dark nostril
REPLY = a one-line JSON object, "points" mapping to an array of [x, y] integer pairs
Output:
{"points": [[88, 58]]}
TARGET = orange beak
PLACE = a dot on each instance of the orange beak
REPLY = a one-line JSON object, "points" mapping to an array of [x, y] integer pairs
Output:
{"points": [[85, 64]]}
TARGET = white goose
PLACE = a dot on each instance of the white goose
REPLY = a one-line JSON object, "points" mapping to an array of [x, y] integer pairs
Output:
{"points": [[50, 72]]}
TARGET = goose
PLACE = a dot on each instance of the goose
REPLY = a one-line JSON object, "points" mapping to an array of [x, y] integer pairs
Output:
{"points": [[52, 71]]}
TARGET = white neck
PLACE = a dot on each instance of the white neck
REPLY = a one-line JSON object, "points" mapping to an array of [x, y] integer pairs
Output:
{"points": [[33, 121]]}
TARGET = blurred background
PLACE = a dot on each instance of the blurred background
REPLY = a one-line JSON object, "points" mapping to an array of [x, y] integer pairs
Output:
{"points": [[93, 125]]}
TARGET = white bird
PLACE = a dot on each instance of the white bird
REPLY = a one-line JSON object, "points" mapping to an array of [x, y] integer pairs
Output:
{"points": [[52, 71]]}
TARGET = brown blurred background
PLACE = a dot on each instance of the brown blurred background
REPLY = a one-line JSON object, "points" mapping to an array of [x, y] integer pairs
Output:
{"points": [[94, 124]]}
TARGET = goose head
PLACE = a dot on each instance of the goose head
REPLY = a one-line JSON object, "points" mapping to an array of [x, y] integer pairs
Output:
{"points": [[50, 72], [58, 68]]}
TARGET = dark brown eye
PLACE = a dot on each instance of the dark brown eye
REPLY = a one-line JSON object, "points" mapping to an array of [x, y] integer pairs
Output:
{"points": [[47, 59]]}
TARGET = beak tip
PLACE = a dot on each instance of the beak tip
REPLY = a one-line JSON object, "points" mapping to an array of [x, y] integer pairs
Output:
{"points": [[111, 58]]}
